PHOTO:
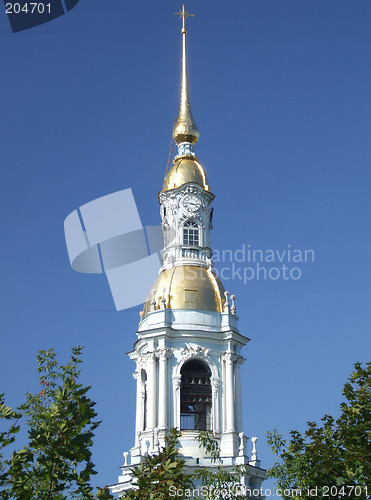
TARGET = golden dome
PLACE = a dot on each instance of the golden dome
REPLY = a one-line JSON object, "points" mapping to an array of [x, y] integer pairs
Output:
{"points": [[185, 169], [185, 129], [187, 287]]}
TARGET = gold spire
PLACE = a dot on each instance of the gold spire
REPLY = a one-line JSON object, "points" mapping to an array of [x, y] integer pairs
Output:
{"points": [[185, 129]]}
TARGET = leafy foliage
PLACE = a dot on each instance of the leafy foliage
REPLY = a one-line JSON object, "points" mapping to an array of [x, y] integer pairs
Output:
{"points": [[61, 420], [335, 457], [158, 473], [7, 437], [155, 476], [219, 480]]}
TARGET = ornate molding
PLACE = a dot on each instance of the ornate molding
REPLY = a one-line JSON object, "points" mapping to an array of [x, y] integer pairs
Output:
{"points": [[169, 203], [177, 380], [143, 392], [196, 352], [215, 384], [185, 149], [150, 357], [229, 357], [197, 217], [164, 354], [189, 352]]}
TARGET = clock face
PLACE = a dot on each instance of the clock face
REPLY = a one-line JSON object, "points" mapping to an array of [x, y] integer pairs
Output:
{"points": [[191, 203]]}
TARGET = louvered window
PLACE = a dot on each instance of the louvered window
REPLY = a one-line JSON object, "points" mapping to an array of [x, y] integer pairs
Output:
{"points": [[195, 397]]}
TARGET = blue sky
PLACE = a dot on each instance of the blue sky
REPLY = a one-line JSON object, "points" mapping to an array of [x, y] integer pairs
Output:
{"points": [[280, 91]]}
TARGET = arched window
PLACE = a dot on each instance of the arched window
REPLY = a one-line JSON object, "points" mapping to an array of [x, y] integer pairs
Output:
{"points": [[191, 233], [195, 396]]}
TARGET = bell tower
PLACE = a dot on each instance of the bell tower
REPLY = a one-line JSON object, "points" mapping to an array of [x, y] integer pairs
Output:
{"points": [[188, 351]]}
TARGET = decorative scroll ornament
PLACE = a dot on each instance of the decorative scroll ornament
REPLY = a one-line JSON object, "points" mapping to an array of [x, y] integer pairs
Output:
{"points": [[173, 204], [189, 352], [163, 354], [177, 379], [215, 383], [185, 217], [229, 357], [202, 353], [150, 357]]}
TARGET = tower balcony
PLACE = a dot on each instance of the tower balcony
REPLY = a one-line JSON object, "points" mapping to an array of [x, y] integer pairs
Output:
{"points": [[186, 254], [192, 252]]}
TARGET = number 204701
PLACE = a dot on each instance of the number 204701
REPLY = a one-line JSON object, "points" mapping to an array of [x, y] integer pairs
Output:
{"points": [[27, 8]]}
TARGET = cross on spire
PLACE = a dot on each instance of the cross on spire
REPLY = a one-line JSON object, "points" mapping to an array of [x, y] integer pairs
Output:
{"points": [[184, 14]]}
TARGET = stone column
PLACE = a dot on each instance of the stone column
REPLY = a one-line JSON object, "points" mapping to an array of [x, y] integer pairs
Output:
{"points": [[215, 384], [139, 406], [163, 356], [238, 400], [151, 391], [229, 389], [177, 379]]}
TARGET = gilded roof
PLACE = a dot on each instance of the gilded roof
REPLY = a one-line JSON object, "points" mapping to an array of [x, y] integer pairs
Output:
{"points": [[187, 287], [185, 169]]}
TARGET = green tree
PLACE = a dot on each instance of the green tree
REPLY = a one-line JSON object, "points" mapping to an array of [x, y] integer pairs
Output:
{"points": [[332, 460], [159, 472], [56, 464], [7, 437], [218, 479]]}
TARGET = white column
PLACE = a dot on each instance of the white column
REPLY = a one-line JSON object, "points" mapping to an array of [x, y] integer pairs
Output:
{"points": [[223, 396], [163, 356], [215, 384], [229, 389], [238, 400], [176, 385], [139, 406], [151, 391]]}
